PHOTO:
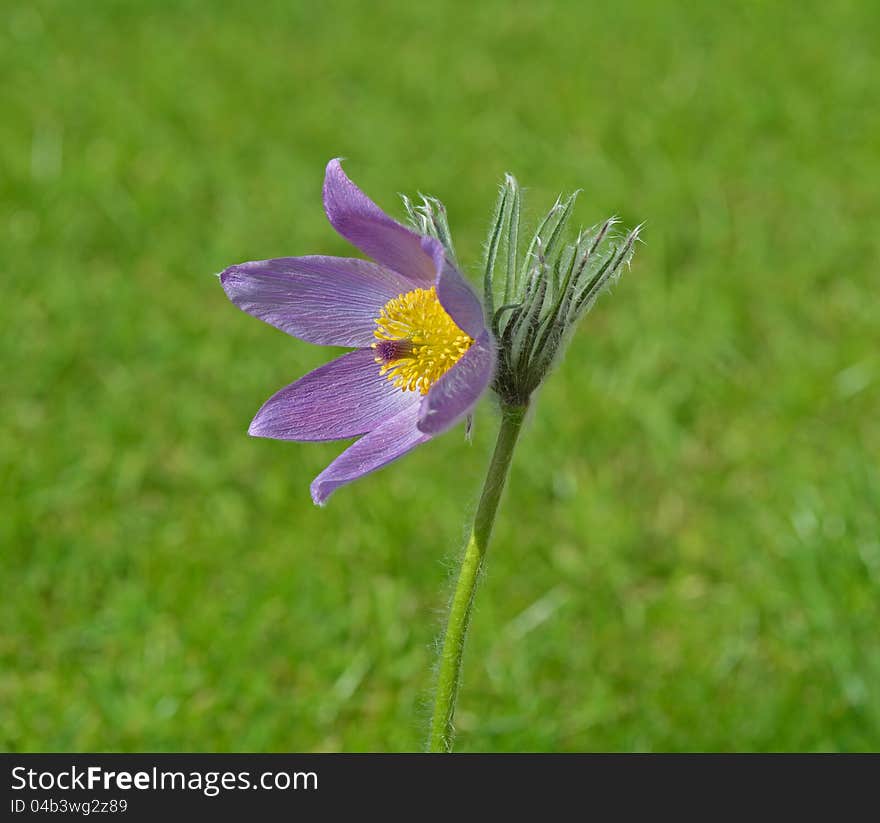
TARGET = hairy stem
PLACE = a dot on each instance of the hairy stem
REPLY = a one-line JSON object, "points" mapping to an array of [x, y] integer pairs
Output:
{"points": [[465, 589]]}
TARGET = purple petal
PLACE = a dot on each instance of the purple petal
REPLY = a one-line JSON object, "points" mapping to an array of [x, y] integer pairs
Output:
{"points": [[360, 221], [327, 300], [457, 392], [373, 451], [343, 398], [454, 293]]}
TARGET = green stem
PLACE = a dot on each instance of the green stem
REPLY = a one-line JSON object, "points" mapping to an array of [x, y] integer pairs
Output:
{"points": [[463, 599]]}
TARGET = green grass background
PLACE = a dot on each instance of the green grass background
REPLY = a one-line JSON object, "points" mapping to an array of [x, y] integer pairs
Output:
{"points": [[688, 557]]}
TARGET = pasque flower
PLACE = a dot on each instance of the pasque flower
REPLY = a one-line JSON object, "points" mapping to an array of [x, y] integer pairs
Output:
{"points": [[423, 354], [424, 351]]}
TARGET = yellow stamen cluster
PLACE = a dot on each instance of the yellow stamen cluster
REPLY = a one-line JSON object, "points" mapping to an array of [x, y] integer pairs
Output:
{"points": [[429, 342]]}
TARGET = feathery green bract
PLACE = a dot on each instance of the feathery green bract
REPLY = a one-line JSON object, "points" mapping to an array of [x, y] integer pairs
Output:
{"points": [[533, 301], [543, 297], [430, 219]]}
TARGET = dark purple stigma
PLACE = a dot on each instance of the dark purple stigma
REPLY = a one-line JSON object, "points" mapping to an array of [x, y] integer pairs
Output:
{"points": [[390, 350]]}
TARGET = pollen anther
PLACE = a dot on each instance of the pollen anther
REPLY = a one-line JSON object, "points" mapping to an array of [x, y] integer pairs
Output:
{"points": [[417, 341]]}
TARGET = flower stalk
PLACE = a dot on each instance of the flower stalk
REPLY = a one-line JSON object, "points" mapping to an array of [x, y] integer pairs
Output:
{"points": [[449, 674]]}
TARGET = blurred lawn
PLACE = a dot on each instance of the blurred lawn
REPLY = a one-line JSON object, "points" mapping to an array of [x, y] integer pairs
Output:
{"points": [[689, 555]]}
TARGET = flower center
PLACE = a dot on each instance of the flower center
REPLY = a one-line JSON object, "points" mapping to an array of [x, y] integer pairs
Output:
{"points": [[417, 341]]}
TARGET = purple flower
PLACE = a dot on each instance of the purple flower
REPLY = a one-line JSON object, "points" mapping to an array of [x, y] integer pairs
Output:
{"points": [[422, 353]]}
